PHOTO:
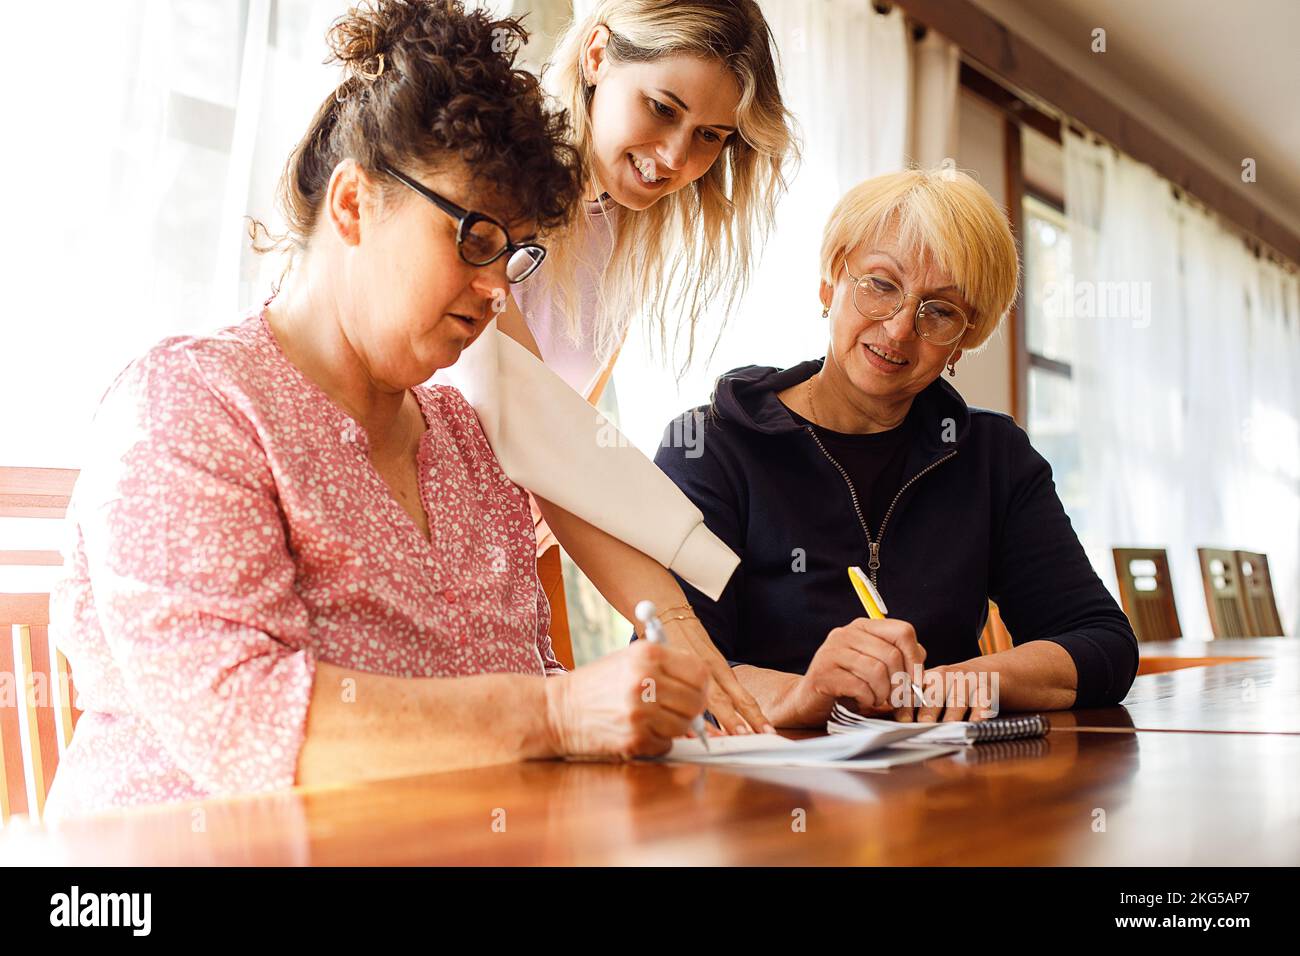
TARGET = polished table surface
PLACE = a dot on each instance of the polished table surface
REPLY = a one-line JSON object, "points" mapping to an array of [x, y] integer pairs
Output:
{"points": [[1230, 647], [1101, 789], [1247, 685]]}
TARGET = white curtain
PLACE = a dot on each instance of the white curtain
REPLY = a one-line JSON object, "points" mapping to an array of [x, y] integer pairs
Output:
{"points": [[846, 74], [146, 136], [1186, 349], [1271, 433], [936, 85], [142, 139]]}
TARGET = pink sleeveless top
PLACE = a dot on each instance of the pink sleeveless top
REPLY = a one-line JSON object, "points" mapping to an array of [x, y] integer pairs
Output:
{"points": [[575, 362]]}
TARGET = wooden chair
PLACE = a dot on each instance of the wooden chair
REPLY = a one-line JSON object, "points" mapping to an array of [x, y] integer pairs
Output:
{"points": [[36, 493], [37, 711], [1257, 586], [550, 571], [1225, 598], [1147, 593], [38, 714], [550, 565], [995, 637]]}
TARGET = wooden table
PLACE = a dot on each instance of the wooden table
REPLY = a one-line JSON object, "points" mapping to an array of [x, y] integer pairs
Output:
{"points": [[1246, 685], [1186, 772]]}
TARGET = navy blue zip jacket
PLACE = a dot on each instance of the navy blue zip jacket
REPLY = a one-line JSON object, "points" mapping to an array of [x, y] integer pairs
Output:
{"points": [[977, 518]]}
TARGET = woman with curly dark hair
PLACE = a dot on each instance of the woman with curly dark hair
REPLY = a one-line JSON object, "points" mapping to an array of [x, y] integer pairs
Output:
{"points": [[292, 562]]}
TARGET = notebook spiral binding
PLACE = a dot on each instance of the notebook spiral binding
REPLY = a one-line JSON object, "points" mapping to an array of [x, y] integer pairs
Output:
{"points": [[1009, 728]]}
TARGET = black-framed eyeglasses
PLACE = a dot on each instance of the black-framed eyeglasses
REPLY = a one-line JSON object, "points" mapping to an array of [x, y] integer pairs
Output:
{"points": [[878, 297], [480, 239]]}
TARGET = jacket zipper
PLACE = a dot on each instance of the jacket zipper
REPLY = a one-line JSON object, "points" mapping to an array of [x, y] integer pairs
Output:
{"points": [[873, 562]]}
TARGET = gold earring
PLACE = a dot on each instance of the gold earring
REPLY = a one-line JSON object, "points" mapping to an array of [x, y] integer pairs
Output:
{"points": [[826, 311], [952, 369]]}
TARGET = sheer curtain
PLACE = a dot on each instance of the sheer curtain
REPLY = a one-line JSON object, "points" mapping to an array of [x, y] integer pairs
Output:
{"points": [[1271, 433], [143, 139], [1129, 366], [146, 137], [1186, 349], [936, 85]]}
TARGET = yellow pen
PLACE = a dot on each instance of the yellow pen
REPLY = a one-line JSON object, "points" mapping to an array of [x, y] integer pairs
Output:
{"points": [[874, 605]]}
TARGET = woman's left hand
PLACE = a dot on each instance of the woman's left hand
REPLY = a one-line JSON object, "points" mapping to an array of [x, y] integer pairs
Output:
{"points": [[734, 708]]}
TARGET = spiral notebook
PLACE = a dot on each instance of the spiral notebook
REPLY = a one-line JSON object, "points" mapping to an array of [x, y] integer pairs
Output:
{"points": [[964, 732]]}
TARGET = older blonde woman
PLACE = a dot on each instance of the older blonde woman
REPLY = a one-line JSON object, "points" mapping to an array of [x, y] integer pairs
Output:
{"points": [[869, 458]]}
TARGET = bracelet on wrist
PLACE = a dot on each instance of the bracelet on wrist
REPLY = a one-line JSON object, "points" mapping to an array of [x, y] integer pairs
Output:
{"points": [[671, 615]]}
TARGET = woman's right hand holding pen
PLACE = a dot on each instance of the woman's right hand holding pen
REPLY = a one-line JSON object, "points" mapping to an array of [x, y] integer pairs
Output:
{"points": [[860, 664]]}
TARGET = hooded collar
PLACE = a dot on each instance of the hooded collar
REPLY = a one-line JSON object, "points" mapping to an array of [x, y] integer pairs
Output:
{"points": [[748, 397]]}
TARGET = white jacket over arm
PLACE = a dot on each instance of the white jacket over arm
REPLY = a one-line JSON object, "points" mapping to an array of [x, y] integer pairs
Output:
{"points": [[551, 441]]}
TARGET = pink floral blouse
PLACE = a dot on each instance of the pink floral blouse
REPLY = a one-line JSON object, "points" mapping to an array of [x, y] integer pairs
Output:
{"points": [[228, 530]]}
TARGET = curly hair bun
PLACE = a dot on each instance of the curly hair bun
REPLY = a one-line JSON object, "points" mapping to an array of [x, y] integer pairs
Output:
{"points": [[429, 81]]}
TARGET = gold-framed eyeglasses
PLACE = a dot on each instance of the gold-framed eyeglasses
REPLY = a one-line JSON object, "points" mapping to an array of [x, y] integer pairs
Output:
{"points": [[879, 297]]}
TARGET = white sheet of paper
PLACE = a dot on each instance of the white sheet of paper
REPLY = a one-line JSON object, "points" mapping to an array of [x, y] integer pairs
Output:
{"points": [[896, 756], [773, 749]]}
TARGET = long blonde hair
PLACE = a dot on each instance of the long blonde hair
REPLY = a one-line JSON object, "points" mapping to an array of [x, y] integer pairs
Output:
{"points": [[698, 244]]}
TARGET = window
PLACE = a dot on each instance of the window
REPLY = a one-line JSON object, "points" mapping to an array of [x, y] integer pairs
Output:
{"points": [[1053, 408]]}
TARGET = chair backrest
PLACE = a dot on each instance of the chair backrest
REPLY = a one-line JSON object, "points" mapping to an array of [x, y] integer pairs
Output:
{"points": [[995, 636], [37, 705], [1147, 593], [551, 573], [1225, 598], [1257, 586], [35, 492], [37, 709]]}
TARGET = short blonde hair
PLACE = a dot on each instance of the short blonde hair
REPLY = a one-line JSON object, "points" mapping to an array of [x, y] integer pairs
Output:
{"points": [[949, 219]]}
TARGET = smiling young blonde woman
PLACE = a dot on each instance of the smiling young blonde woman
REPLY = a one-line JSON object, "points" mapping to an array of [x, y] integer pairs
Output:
{"points": [[678, 121], [677, 115]]}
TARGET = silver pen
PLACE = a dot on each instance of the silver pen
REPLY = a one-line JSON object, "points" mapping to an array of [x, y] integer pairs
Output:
{"points": [[654, 633], [920, 695]]}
